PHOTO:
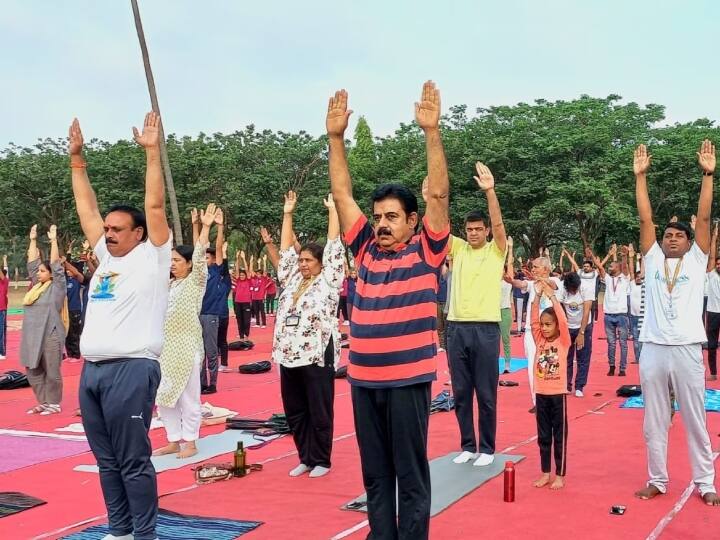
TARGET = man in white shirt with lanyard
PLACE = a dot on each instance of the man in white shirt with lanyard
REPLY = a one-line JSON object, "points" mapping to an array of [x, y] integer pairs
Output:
{"points": [[672, 332], [615, 307], [123, 336]]}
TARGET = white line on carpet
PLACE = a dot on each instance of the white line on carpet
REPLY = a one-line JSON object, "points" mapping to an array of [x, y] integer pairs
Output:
{"points": [[675, 510], [19, 433]]}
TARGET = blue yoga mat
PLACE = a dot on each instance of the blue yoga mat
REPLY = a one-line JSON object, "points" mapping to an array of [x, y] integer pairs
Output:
{"points": [[712, 402], [172, 526], [516, 364]]}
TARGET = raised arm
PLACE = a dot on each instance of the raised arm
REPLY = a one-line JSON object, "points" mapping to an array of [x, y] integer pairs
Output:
{"points": [[641, 164], [600, 265], [427, 116], [486, 182], [158, 230], [706, 159], [336, 123], [85, 201], [510, 262], [33, 253], [573, 263], [270, 246], [220, 254], [195, 222], [333, 220], [286, 233], [54, 249], [624, 266], [713, 249]]}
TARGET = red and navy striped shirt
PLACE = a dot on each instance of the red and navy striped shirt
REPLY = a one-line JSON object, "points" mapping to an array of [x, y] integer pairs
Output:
{"points": [[393, 323]]}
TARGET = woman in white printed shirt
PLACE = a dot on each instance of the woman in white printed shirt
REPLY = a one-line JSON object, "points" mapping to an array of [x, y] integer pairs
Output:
{"points": [[178, 396], [307, 341]]}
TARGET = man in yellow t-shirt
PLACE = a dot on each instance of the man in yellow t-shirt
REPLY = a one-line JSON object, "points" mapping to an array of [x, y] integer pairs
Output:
{"points": [[473, 331]]}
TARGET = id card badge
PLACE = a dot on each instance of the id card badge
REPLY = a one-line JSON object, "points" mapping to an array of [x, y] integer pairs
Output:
{"points": [[670, 313], [292, 320]]}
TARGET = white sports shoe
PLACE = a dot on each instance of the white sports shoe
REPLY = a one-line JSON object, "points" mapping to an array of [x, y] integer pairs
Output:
{"points": [[484, 460], [579, 393]]}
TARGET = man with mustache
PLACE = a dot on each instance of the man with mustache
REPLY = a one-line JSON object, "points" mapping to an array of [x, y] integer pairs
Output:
{"points": [[672, 333], [473, 333], [393, 324], [123, 336]]}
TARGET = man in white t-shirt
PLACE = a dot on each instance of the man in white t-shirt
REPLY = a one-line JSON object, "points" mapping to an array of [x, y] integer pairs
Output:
{"points": [[712, 280], [123, 336], [672, 331], [615, 307], [577, 302], [541, 268]]}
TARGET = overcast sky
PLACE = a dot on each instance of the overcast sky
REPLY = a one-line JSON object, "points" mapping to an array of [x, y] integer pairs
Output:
{"points": [[220, 65]]}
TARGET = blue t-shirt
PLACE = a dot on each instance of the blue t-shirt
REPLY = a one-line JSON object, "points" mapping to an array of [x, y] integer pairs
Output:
{"points": [[519, 293], [215, 301], [442, 290], [73, 294], [351, 285]]}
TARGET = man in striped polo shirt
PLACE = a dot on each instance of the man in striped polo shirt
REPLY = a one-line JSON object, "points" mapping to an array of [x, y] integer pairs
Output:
{"points": [[393, 324]]}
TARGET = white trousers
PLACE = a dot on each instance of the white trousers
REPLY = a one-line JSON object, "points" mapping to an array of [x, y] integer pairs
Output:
{"points": [[683, 367], [182, 422], [530, 349]]}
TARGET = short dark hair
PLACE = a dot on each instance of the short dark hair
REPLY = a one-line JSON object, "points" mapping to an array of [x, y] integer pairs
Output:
{"points": [[211, 251], [477, 215], [638, 273], [679, 226], [315, 249], [571, 281], [138, 217], [551, 312], [588, 261], [186, 252], [404, 195]]}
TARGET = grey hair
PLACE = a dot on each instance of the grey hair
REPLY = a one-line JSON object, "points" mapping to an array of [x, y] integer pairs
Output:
{"points": [[543, 261]]}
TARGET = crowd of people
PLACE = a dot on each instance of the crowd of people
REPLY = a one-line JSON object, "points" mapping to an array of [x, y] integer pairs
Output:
{"points": [[150, 319]]}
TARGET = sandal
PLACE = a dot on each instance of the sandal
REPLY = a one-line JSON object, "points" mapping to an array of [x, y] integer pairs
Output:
{"points": [[37, 409], [50, 409]]}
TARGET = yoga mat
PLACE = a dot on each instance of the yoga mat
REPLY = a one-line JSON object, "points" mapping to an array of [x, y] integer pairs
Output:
{"points": [[172, 526], [451, 482], [12, 502], [19, 451], [712, 402], [516, 364], [208, 447]]}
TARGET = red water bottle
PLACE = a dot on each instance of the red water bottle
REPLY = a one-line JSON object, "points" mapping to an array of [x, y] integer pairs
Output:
{"points": [[509, 482]]}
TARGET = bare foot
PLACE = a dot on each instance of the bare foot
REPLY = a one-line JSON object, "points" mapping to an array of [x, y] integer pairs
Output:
{"points": [[558, 483], [648, 493], [543, 481], [711, 499], [171, 448], [189, 451]]}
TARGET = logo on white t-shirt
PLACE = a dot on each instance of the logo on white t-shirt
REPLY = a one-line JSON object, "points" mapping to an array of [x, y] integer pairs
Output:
{"points": [[682, 278], [105, 288]]}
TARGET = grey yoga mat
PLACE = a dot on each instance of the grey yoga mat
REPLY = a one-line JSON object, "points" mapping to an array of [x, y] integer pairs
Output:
{"points": [[208, 448], [450, 481]]}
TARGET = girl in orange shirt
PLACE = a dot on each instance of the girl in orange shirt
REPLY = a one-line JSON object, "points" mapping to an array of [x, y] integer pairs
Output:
{"points": [[551, 334]]}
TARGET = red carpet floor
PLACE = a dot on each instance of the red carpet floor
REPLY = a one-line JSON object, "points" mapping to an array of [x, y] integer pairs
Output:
{"points": [[606, 463]]}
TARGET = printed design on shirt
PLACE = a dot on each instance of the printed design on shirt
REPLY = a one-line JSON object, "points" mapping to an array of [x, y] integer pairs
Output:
{"points": [[682, 278], [105, 288], [547, 366], [573, 307]]}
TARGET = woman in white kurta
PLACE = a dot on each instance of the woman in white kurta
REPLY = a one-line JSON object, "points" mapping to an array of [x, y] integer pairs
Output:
{"points": [[306, 342], [178, 396]]}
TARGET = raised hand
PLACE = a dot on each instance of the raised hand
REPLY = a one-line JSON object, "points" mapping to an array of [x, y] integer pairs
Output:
{"points": [[242, 255], [86, 246], [151, 131], [484, 178], [547, 290], [425, 189], [290, 202], [624, 250], [427, 110], [265, 235], [329, 202], [631, 250], [194, 217], [207, 217], [225, 249], [338, 114], [706, 156], [510, 243], [693, 221], [674, 219], [52, 233], [33, 232], [641, 160], [75, 139], [219, 217], [613, 249]]}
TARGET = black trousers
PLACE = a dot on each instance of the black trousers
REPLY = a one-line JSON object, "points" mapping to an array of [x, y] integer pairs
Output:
{"points": [[473, 350], [243, 315], [552, 426], [343, 308], [308, 394], [392, 428], [222, 340], [712, 329], [116, 400], [72, 340], [258, 311]]}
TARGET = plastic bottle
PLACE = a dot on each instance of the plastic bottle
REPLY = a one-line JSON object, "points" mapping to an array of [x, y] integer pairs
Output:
{"points": [[239, 460], [509, 482]]}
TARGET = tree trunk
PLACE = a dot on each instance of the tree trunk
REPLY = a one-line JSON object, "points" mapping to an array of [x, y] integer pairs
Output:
{"points": [[177, 228]]}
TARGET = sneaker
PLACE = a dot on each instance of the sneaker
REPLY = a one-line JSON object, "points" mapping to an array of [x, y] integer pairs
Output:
{"points": [[263, 326], [440, 349], [579, 393], [2, 357], [212, 389], [622, 373], [123, 537], [225, 369], [319, 471], [611, 371], [300, 469], [506, 371], [51, 408]]}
